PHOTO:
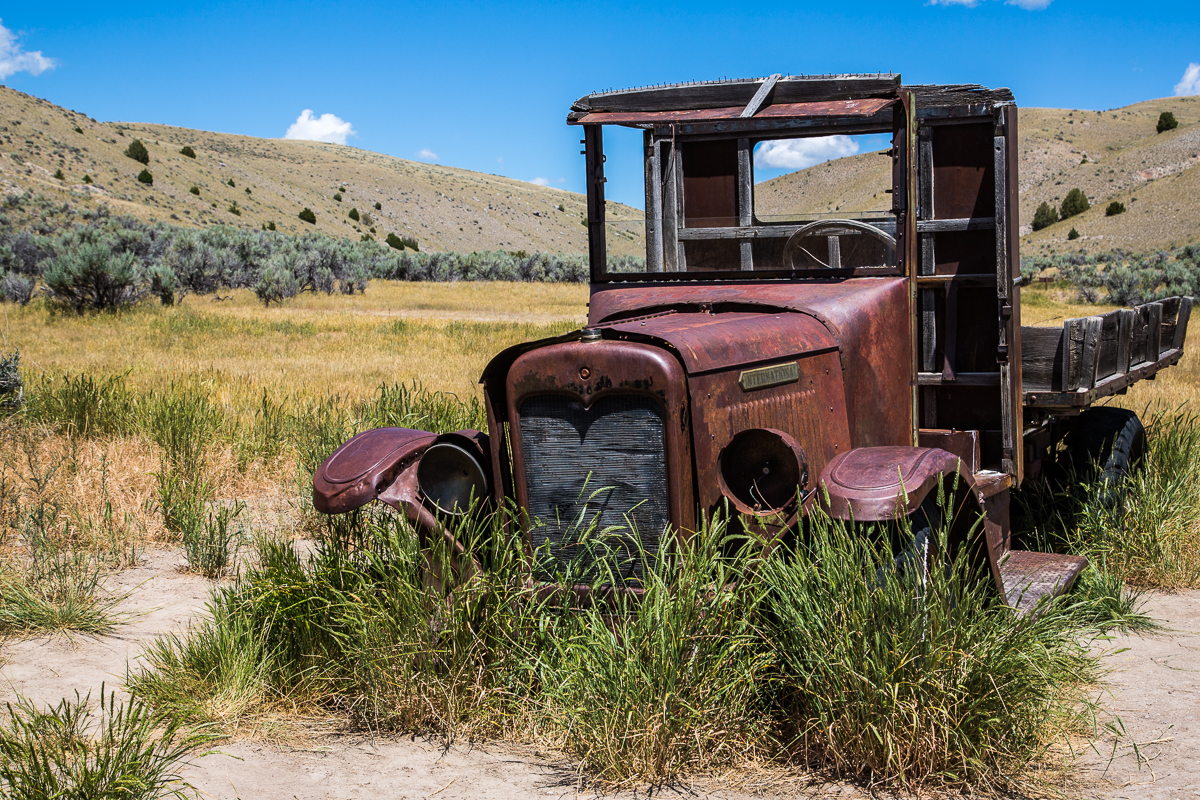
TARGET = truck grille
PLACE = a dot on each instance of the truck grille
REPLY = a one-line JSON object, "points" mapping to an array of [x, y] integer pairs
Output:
{"points": [[597, 487]]}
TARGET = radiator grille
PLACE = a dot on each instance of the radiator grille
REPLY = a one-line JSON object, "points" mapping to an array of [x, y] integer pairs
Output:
{"points": [[590, 473]]}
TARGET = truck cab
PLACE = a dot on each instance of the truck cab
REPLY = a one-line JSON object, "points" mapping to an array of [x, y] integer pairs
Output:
{"points": [[749, 357]]}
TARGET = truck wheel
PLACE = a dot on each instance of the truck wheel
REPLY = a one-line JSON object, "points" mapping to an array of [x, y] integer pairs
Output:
{"points": [[1106, 445]]}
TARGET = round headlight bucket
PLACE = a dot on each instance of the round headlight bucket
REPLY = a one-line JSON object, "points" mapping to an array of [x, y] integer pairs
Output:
{"points": [[761, 470], [450, 476]]}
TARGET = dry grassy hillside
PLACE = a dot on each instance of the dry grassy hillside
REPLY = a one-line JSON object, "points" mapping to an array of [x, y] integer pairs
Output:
{"points": [[1156, 176], [442, 207]]}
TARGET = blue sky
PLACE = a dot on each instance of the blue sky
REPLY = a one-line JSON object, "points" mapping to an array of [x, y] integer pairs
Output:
{"points": [[486, 86]]}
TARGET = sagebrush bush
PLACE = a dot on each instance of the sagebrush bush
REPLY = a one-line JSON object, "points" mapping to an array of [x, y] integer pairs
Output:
{"points": [[92, 277], [138, 152]]}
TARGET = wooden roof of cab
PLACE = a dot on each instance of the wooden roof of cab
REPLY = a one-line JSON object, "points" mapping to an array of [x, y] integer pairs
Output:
{"points": [[772, 98]]}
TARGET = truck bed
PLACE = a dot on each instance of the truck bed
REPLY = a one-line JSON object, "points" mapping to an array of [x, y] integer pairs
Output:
{"points": [[1092, 357]]}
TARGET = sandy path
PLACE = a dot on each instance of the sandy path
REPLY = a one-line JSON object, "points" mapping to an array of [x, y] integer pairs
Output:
{"points": [[1155, 690]]}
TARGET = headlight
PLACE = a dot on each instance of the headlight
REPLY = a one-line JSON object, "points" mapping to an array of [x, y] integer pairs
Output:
{"points": [[450, 477], [761, 470]]}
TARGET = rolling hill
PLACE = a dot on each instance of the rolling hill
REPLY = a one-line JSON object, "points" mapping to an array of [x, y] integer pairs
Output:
{"points": [[1110, 155], [443, 208]]}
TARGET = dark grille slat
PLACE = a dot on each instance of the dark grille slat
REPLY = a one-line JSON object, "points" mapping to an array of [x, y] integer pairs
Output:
{"points": [[604, 464]]}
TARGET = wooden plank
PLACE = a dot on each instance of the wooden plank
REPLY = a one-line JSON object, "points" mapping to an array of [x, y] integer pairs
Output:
{"points": [[959, 379], [654, 215], [594, 148], [951, 225], [1141, 335], [671, 209], [1126, 318], [1003, 279], [1042, 359], [1154, 332], [1105, 388], [1092, 327], [925, 210], [987, 279], [1109, 344], [720, 94], [1181, 323], [746, 198], [760, 96], [767, 231], [1073, 331]]}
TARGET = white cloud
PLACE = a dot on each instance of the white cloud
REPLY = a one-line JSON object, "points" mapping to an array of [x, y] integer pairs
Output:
{"points": [[803, 153], [325, 128], [427, 154], [14, 59], [1190, 84], [541, 181]]}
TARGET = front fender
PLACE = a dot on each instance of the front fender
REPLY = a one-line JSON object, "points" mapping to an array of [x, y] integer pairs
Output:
{"points": [[870, 484], [359, 471]]}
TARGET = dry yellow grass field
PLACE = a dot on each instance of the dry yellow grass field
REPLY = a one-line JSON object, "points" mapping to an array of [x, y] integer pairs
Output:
{"points": [[439, 334]]}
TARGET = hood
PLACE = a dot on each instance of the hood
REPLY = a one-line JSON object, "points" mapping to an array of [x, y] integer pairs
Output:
{"points": [[707, 342]]}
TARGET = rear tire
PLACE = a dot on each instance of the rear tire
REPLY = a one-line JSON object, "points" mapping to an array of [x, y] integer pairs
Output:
{"points": [[1106, 445]]}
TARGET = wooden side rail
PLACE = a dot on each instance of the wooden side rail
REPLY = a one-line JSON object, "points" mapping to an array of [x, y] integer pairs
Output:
{"points": [[1092, 357]]}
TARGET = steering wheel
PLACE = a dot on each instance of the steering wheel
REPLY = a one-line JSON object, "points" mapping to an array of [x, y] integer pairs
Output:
{"points": [[799, 256]]}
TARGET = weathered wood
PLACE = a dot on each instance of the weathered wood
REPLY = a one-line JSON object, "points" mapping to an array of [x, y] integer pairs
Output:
{"points": [[950, 225], [1154, 331], [769, 231], [594, 148], [654, 214], [672, 214], [1181, 323], [1092, 326], [1042, 359], [760, 96], [963, 280], [959, 379], [950, 333], [1126, 318], [925, 210], [720, 94], [746, 199], [1073, 334], [1109, 344], [1003, 279]]}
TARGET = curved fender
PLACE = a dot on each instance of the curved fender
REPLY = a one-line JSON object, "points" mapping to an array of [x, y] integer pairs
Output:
{"points": [[358, 471], [869, 484]]}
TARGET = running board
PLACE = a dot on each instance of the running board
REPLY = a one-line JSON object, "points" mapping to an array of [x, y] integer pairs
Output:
{"points": [[1029, 576]]}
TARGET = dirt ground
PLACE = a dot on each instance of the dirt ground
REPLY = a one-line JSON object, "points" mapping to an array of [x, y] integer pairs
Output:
{"points": [[1153, 689]]}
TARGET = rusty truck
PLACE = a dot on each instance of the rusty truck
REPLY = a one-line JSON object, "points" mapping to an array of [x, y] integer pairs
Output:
{"points": [[747, 355]]}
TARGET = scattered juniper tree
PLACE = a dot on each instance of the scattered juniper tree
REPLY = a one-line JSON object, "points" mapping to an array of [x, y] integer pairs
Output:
{"points": [[379, 206], [353, 214], [187, 151], [145, 177], [195, 190], [1045, 216], [87, 179], [308, 216], [1114, 208], [232, 184], [138, 152], [58, 175], [1073, 234], [1075, 202], [337, 196], [1166, 122]]}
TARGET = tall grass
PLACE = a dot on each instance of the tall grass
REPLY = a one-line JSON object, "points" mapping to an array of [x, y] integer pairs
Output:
{"points": [[1152, 538], [903, 679], [732, 653], [71, 750]]}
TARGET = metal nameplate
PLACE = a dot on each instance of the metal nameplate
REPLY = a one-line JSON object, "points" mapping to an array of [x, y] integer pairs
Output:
{"points": [[765, 377]]}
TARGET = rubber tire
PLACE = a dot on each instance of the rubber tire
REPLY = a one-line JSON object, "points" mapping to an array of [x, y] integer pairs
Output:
{"points": [[918, 552], [1107, 444]]}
